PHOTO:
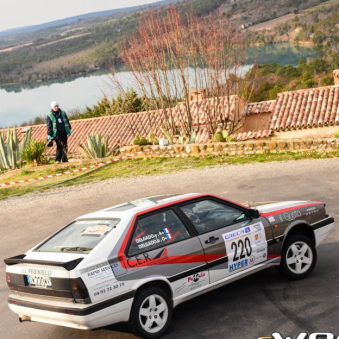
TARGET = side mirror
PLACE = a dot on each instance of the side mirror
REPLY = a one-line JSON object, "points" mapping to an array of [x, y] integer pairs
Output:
{"points": [[254, 213]]}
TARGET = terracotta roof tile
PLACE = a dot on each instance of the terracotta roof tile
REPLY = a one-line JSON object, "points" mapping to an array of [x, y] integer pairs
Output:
{"points": [[202, 136], [306, 108], [252, 135], [260, 107]]}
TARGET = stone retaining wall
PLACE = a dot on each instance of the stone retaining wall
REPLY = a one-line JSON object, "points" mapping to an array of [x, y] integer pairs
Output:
{"points": [[236, 148]]}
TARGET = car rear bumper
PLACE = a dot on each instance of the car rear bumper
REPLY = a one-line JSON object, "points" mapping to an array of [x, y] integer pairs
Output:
{"points": [[86, 317]]}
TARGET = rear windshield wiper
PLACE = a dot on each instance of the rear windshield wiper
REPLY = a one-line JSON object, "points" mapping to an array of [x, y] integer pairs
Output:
{"points": [[75, 249]]}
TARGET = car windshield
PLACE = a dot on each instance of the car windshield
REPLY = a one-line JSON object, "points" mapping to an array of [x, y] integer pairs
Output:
{"points": [[80, 236]]}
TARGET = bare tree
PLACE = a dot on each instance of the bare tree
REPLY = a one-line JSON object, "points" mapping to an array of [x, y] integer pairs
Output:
{"points": [[174, 51]]}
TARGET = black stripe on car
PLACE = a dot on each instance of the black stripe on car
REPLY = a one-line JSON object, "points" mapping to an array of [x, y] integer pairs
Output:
{"points": [[198, 269], [74, 311], [322, 223]]}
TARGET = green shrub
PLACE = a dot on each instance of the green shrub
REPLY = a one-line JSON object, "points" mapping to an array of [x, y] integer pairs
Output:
{"points": [[222, 136], [336, 135], [142, 141], [33, 153]]}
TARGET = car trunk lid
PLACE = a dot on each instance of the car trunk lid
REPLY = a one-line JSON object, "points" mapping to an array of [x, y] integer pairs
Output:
{"points": [[47, 277]]}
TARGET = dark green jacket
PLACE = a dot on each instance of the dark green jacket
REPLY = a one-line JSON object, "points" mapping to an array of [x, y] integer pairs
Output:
{"points": [[52, 128]]}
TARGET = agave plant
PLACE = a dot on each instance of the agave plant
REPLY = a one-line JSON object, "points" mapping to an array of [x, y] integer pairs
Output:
{"points": [[96, 147], [183, 140], [10, 153]]}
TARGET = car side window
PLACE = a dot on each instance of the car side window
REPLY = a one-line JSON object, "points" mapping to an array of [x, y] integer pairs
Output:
{"points": [[155, 231], [208, 215]]}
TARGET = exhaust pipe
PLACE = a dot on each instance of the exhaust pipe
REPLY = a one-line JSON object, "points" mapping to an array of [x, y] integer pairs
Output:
{"points": [[23, 318]]}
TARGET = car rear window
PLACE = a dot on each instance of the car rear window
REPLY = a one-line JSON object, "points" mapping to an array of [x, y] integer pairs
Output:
{"points": [[80, 236]]}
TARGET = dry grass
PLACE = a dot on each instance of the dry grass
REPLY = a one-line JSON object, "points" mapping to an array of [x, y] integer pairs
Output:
{"points": [[269, 25], [64, 39], [15, 47], [65, 62], [142, 167]]}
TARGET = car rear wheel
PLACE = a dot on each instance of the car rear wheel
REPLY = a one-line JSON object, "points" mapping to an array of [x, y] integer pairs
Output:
{"points": [[151, 313], [298, 258]]}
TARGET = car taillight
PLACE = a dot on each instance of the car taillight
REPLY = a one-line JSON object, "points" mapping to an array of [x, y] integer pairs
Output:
{"points": [[78, 289], [8, 280]]}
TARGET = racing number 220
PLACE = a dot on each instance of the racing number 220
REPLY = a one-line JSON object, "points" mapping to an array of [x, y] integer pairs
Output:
{"points": [[243, 246]]}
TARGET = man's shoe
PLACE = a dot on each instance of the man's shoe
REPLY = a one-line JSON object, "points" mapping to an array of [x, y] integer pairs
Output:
{"points": [[58, 162]]}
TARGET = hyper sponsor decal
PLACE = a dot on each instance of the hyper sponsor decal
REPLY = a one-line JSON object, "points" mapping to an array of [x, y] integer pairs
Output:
{"points": [[245, 247]]}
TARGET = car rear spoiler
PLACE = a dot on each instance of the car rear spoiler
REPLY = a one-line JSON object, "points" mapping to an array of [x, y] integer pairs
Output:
{"points": [[20, 259]]}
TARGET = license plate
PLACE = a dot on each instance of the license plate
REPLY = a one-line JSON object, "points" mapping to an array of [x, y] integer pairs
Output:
{"points": [[38, 281]]}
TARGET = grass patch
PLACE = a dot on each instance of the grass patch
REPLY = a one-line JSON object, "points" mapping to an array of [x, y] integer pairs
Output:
{"points": [[139, 167]]}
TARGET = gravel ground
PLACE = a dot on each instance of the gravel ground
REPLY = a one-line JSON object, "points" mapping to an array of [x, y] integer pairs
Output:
{"points": [[224, 178]]}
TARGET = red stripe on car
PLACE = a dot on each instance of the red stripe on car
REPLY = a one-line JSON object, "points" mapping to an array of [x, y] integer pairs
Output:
{"points": [[289, 209]]}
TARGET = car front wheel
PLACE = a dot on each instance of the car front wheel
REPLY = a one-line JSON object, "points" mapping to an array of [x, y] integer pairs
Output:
{"points": [[151, 313], [298, 258]]}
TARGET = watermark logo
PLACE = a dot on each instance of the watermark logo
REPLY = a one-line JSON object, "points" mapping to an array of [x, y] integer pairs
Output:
{"points": [[320, 335]]}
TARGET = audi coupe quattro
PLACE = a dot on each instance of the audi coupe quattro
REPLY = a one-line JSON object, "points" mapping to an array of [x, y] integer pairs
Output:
{"points": [[135, 262]]}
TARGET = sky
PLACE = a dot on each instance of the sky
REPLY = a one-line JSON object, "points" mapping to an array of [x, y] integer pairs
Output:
{"points": [[19, 13]]}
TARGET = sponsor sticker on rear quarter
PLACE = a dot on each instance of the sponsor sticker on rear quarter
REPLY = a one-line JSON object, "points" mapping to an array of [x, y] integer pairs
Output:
{"points": [[101, 282]]}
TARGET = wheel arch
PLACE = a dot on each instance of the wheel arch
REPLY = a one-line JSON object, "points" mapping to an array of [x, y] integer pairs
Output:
{"points": [[155, 282], [161, 282], [301, 228]]}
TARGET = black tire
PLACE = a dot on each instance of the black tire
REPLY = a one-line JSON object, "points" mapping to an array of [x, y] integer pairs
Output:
{"points": [[137, 321], [289, 254]]}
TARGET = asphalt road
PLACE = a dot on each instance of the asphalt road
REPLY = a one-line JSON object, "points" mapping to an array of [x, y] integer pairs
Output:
{"points": [[249, 308]]}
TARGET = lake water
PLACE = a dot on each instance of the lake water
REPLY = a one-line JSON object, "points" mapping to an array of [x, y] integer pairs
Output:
{"points": [[23, 102]]}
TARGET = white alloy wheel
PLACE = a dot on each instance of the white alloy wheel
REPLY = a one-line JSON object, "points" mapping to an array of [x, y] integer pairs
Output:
{"points": [[299, 257], [153, 313]]}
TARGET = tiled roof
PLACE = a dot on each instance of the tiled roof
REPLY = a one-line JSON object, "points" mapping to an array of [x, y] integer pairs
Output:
{"points": [[252, 135], [203, 136], [306, 108], [260, 107]]}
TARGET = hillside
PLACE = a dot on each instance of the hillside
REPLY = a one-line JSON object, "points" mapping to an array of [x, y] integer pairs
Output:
{"points": [[317, 26], [71, 20], [82, 45]]}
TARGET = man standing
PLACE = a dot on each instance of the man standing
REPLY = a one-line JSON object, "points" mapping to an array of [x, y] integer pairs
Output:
{"points": [[59, 128]]}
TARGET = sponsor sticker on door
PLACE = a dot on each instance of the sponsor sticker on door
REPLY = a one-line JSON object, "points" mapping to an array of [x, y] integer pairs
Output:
{"points": [[245, 247]]}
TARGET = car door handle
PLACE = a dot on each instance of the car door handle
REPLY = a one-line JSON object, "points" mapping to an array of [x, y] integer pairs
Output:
{"points": [[210, 240]]}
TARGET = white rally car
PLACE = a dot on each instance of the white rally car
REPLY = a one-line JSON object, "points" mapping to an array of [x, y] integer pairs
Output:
{"points": [[135, 262]]}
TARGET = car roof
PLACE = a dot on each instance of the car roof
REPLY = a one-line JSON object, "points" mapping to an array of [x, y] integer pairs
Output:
{"points": [[129, 209]]}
